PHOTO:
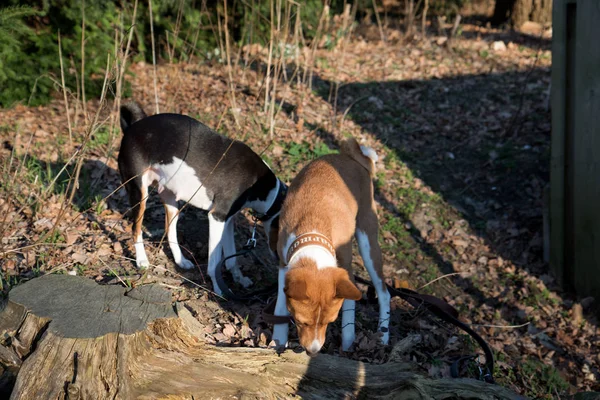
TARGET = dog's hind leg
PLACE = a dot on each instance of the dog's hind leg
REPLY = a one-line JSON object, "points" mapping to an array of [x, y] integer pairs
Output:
{"points": [[137, 189], [229, 249], [368, 246], [171, 217]]}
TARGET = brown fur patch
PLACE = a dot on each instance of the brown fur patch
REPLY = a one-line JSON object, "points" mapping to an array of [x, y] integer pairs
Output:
{"points": [[315, 297]]}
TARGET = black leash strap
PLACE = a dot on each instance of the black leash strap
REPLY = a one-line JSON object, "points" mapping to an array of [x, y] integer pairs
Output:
{"points": [[447, 313], [248, 247]]}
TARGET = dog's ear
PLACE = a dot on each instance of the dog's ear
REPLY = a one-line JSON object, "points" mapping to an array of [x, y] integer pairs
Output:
{"points": [[295, 286], [344, 288]]}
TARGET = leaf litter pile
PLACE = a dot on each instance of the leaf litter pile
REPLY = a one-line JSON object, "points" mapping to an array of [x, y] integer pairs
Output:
{"points": [[463, 136]]}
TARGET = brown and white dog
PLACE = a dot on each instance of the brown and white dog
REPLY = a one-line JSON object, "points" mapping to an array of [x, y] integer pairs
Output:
{"points": [[329, 201]]}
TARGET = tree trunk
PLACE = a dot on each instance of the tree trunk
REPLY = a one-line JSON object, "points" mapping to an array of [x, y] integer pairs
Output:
{"points": [[521, 11], [66, 337], [542, 11], [502, 11]]}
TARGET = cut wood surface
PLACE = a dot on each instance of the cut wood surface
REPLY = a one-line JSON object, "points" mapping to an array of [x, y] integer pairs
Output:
{"points": [[68, 337]]}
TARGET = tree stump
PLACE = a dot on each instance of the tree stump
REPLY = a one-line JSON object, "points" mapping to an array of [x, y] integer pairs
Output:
{"points": [[66, 337]]}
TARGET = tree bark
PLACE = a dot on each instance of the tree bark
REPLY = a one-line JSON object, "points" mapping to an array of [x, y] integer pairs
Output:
{"points": [[66, 337]]}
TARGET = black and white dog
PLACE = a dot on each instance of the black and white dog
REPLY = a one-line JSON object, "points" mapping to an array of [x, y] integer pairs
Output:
{"points": [[190, 162]]}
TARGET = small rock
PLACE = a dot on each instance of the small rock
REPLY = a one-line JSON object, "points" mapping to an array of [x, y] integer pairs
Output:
{"points": [[499, 46]]}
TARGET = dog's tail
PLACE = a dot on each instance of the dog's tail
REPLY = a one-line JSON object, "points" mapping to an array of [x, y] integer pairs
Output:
{"points": [[130, 113], [364, 155]]}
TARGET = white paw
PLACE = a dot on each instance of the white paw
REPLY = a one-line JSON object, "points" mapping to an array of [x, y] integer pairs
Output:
{"points": [[280, 336], [385, 338], [347, 342], [142, 263], [245, 281], [185, 263]]}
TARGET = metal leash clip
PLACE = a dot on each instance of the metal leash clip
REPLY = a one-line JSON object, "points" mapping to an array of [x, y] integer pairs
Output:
{"points": [[251, 243]]}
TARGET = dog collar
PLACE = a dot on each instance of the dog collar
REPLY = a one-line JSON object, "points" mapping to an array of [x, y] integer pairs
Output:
{"points": [[309, 239], [277, 203]]}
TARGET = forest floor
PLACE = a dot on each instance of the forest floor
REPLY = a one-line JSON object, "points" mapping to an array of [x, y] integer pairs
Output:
{"points": [[462, 130]]}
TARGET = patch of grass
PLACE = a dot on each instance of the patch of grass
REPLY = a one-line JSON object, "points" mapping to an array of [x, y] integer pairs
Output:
{"points": [[322, 62], [404, 247], [392, 160], [379, 180], [6, 128], [102, 137], [54, 237], [40, 175], [543, 381], [409, 199], [539, 296], [305, 151]]}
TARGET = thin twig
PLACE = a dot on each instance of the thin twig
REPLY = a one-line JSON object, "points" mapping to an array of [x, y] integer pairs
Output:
{"points": [[114, 273], [153, 57], [64, 89], [229, 68], [501, 326], [424, 19], [441, 277], [269, 59], [83, 60], [378, 21]]}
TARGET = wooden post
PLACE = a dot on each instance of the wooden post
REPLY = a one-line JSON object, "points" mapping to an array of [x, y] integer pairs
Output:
{"points": [[575, 165]]}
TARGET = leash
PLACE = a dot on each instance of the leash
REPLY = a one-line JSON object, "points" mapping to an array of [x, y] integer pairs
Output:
{"points": [[447, 313], [434, 305]]}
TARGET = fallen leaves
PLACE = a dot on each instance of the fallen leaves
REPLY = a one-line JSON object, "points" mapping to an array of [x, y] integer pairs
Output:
{"points": [[420, 116]]}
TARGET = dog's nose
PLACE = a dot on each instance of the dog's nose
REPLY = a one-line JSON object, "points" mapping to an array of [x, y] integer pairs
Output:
{"points": [[314, 348]]}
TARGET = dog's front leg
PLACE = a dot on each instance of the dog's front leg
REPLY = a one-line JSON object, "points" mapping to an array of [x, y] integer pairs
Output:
{"points": [[348, 330], [216, 228], [229, 249], [280, 331]]}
